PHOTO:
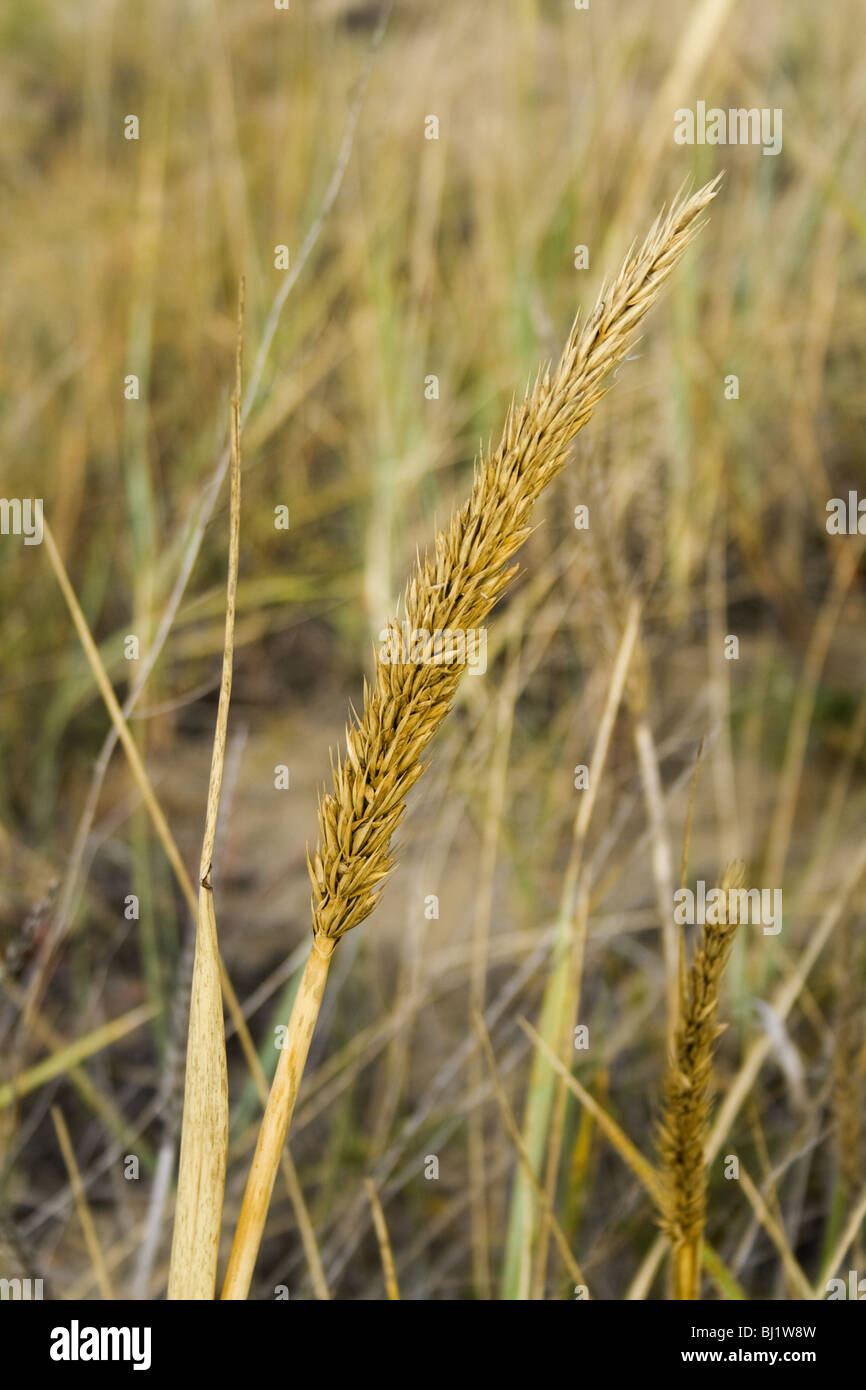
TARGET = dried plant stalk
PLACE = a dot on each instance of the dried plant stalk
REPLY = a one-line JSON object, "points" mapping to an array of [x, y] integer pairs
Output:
{"points": [[685, 1118], [452, 590], [205, 1131], [389, 1269], [275, 1122], [79, 1193]]}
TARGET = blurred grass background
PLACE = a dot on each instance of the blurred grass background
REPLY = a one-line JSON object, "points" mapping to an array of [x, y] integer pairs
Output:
{"points": [[451, 257]]}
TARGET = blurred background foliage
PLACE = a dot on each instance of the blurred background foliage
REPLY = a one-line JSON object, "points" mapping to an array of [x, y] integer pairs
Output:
{"points": [[451, 257]]}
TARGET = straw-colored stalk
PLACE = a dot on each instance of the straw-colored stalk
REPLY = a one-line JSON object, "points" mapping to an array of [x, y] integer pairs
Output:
{"points": [[79, 1193], [685, 1117], [389, 1269], [453, 590], [277, 1117], [205, 1130]]}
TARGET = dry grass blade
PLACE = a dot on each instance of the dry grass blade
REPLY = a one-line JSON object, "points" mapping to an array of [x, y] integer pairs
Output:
{"points": [[68, 1055], [97, 1259], [685, 1117], [89, 1092], [129, 745], [204, 1136], [381, 1227], [846, 1239], [544, 1119], [513, 1129], [452, 591], [630, 1155], [777, 1235]]}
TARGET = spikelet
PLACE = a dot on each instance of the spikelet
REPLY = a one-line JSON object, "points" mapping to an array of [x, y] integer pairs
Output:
{"points": [[684, 1123], [455, 588]]}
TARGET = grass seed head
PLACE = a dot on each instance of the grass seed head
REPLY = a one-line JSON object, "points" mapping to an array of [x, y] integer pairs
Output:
{"points": [[456, 586]]}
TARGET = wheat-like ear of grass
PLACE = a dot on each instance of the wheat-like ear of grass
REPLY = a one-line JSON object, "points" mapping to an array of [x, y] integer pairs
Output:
{"points": [[452, 589], [685, 1116]]}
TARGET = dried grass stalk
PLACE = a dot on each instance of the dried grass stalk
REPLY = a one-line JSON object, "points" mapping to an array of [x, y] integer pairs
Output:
{"points": [[389, 1269], [205, 1130], [275, 1122], [684, 1124], [453, 589]]}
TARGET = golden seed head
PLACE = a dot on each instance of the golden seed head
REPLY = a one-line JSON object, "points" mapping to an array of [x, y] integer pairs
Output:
{"points": [[456, 586]]}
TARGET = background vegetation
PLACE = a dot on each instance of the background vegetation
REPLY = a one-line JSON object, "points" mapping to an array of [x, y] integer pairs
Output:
{"points": [[409, 258]]}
